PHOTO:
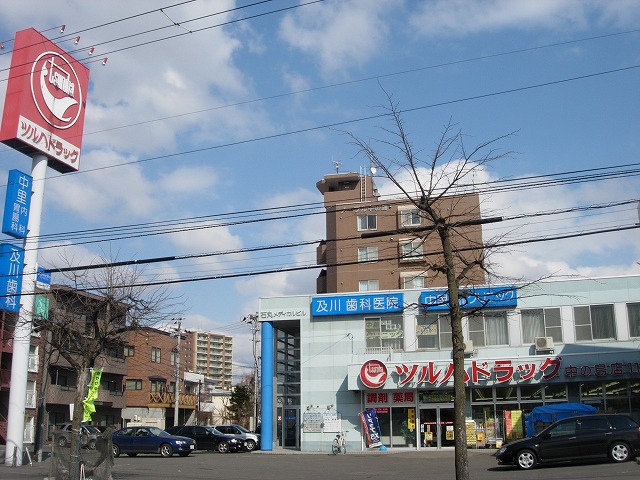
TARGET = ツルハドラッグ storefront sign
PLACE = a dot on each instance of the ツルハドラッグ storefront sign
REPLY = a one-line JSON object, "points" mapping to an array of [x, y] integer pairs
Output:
{"points": [[45, 102]]}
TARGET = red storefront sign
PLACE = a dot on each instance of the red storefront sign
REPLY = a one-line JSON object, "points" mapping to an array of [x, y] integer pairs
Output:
{"points": [[46, 100]]}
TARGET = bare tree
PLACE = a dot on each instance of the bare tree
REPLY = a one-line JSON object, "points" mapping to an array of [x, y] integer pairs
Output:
{"points": [[433, 186], [91, 312]]}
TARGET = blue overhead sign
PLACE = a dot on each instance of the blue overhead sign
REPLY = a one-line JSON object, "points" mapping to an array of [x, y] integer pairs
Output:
{"points": [[355, 304], [494, 297], [11, 265], [16, 204]]}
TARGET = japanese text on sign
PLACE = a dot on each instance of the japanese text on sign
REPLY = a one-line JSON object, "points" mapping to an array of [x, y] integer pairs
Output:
{"points": [[355, 304]]}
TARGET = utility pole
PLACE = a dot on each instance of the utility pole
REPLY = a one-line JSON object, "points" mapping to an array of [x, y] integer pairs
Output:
{"points": [[176, 390], [253, 321]]}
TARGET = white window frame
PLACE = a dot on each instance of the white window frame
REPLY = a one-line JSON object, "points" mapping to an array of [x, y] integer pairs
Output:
{"points": [[584, 325], [547, 317], [633, 315], [410, 217], [368, 285], [482, 337], [385, 332], [367, 222], [367, 254], [410, 280], [156, 355], [411, 250]]}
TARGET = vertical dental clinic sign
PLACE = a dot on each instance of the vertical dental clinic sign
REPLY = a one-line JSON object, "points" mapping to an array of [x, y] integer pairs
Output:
{"points": [[45, 102]]}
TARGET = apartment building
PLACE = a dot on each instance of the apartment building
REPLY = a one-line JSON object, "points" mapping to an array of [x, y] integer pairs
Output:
{"points": [[373, 243], [150, 384], [80, 313], [212, 357]]}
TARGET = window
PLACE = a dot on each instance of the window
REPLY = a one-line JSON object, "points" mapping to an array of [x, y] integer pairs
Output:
{"points": [[129, 350], [368, 285], [172, 358], [411, 250], [409, 217], [384, 332], [158, 386], [594, 322], [155, 355], [367, 254], [633, 312], [433, 331], [109, 385], [488, 328], [541, 322], [427, 331], [367, 222], [133, 384], [412, 280], [566, 428]]}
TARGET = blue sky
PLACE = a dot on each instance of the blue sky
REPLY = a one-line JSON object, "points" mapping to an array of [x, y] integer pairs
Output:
{"points": [[192, 119]]}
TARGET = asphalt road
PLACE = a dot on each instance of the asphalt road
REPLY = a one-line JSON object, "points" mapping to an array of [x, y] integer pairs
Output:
{"points": [[362, 465]]}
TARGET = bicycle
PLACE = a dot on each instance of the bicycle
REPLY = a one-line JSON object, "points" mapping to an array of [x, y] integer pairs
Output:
{"points": [[339, 445]]}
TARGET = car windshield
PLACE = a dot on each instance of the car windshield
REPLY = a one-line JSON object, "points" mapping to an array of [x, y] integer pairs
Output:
{"points": [[91, 429], [158, 432], [242, 429]]}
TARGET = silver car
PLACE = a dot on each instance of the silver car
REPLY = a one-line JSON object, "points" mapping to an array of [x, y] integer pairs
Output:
{"points": [[252, 440], [90, 435]]}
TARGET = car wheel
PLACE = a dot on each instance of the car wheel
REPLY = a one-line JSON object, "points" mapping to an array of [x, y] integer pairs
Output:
{"points": [[619, 452], [223, 447], [251, 445], [91, 445], [62, 441], [526, 460], [116, 450], [166, 450]]}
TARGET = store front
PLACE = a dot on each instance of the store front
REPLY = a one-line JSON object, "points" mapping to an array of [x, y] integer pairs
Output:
{"points": [[436, 427]]}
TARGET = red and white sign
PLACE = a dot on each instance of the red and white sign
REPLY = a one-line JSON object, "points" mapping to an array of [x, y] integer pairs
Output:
{"points": [[46, 101], [373, 374]]}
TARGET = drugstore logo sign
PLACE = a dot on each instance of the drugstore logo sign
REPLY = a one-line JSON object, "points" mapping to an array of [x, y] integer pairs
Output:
{"points": [[373, 374]]}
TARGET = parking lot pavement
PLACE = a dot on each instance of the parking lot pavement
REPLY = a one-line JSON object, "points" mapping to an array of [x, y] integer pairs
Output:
{"points": [[372, 465]]}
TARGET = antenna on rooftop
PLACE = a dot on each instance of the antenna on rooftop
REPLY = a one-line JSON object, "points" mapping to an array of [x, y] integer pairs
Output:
{"points": [[337, 164]]}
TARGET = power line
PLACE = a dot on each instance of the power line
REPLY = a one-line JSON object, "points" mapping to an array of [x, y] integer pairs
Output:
{"points": [[303, 210]]}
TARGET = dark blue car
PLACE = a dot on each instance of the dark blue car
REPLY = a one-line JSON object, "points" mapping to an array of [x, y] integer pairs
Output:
{"points": [[135, 440]]}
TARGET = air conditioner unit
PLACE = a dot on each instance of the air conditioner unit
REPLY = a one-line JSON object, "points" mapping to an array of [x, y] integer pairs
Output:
{"points": [[468, 346], [544, 343]]}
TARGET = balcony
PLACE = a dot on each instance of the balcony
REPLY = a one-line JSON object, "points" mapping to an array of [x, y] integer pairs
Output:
{"points": [[165, 400]]}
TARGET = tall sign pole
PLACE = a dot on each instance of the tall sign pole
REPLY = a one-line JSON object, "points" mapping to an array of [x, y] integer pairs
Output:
{"points": [[43, 117]]}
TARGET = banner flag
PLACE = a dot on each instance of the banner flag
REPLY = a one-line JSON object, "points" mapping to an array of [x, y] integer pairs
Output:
{"points": [[371, 427], [92, 394]]}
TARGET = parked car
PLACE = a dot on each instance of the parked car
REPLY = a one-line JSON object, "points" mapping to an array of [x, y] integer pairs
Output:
{"points": [[90, 435], [135, 440], [252, 440], [208, 438], [576, 438]]}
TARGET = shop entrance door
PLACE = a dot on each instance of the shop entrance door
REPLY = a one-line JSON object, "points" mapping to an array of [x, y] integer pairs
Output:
{"points": [[290, 428], [436, 427]]}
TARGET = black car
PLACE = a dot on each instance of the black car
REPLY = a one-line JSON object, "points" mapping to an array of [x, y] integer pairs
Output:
{"points": [[576, 438], [135, 440], [208, 438]]}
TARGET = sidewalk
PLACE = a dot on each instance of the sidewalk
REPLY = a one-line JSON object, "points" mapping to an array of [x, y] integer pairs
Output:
{"points": [[34, 470]]}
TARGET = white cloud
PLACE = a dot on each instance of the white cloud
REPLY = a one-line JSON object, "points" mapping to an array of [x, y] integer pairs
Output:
{"points": [[340, 34], [455, 18]]}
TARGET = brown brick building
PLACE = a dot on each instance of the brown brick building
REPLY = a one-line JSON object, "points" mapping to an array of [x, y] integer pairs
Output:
{"points": [[150, 381], [378, 244]]}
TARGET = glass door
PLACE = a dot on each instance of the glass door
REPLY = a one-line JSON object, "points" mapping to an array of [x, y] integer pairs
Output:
{"points": [[436, 427], [290, 428]]}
